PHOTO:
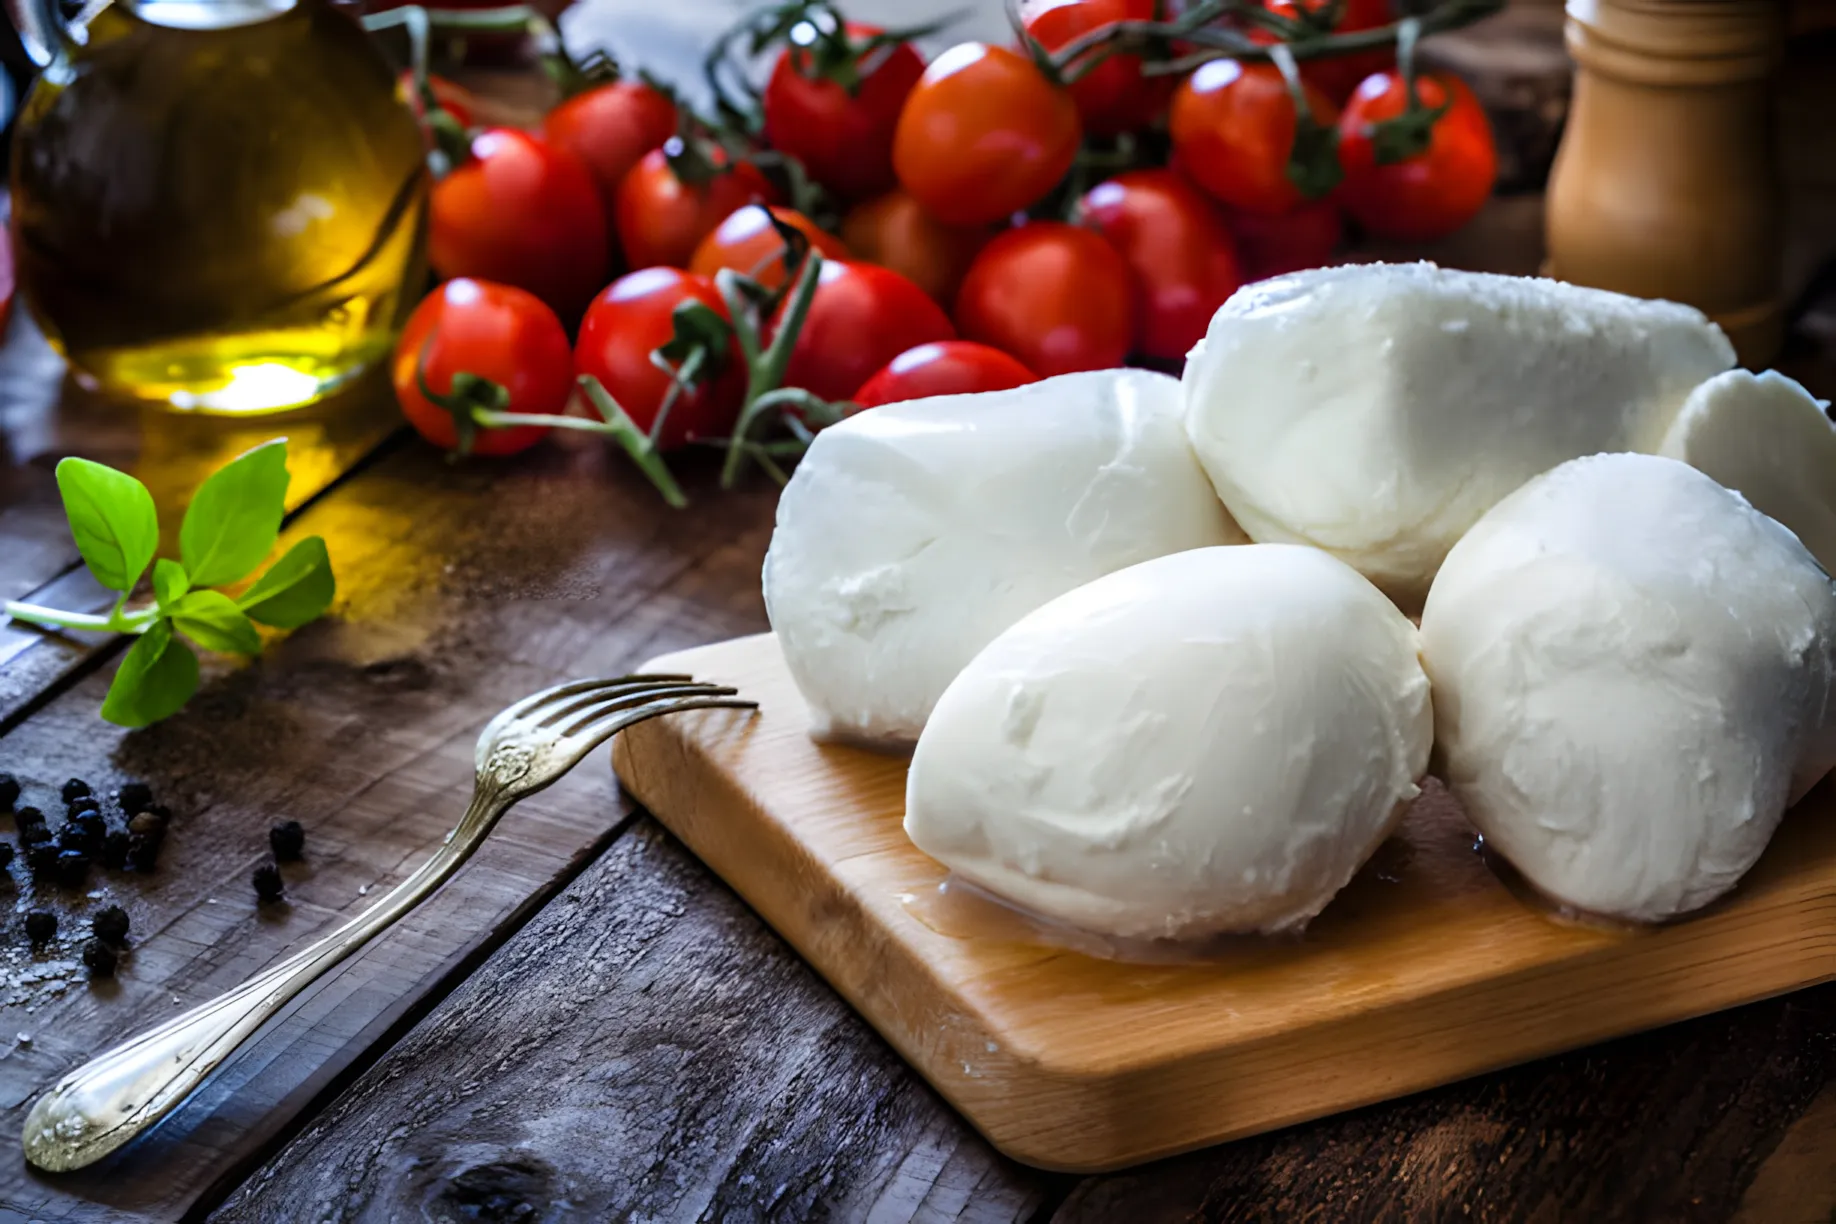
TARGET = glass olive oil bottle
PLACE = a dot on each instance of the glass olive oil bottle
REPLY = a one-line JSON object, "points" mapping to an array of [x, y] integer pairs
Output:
{"points": [[217, 204]]}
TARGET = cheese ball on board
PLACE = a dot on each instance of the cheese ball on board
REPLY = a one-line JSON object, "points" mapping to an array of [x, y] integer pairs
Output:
{"points": [[1377, 410], [915, 532], [1632, 674], [1209, 742]]}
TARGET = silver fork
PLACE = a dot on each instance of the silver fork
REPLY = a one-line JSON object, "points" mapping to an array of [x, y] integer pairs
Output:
{"points": [[114, 1097]]}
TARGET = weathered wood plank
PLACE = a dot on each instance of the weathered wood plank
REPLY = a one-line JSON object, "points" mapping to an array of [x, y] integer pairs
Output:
{"points": [[461, 590], [44, 417], [643, 1049], [1672, 1125], [1797, 1184]]}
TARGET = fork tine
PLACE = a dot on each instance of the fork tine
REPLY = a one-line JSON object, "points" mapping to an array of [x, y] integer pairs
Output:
{"points": [[607, 723], [623, 693], [535, 700], [587, 712]]}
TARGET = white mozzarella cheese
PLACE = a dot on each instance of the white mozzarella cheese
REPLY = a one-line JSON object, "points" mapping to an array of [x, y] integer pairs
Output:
{"points": [[1377, 410], [1632, 674], [914, 533], [1769, 440], [1208, 742]]}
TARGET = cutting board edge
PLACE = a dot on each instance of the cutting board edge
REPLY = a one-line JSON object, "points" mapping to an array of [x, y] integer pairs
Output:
{"points": [[1085, 1118]]}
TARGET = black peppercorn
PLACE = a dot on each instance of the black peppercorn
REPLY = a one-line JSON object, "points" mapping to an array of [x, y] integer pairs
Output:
{"points": [[134, 797], [147, 824], [9, 791], [40, 926], [288, 840], [41, 857], [81, 804], [100, 958], [267, 881], [34, 835], [6, 855], [77, 837], [115, 850], [28, 816], [74, 789], [72, 868], [110, 923], [142, 852]]}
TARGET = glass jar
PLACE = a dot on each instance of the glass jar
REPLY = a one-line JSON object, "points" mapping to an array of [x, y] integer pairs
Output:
{"points": [[218, 205]]}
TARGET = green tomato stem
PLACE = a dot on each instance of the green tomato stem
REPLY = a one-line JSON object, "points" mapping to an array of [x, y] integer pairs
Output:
{"points": [[1219, 43], [619, 424], [765, 372], [487, 419], [511, 19], [727, 282], [680, 380]]}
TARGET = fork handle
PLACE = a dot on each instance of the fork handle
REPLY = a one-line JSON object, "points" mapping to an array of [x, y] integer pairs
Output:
{"points": [[114, 1097]]}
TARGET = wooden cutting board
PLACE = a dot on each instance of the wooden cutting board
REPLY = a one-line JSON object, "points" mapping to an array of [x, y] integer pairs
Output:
{"points": [[1425, 969]]}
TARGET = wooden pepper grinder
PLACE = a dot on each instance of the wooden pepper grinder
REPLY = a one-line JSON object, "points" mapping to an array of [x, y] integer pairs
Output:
{"points": [[1666, 183]]}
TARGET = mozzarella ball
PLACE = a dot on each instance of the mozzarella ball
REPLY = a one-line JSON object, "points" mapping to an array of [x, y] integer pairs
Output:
{"points": [[915, 532], [1212, 741], [1771, 441], [1632, 679], [1377, 410]]}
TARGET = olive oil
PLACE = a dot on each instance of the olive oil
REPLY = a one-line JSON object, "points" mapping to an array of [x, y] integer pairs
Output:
{"points": [[219, 204]]}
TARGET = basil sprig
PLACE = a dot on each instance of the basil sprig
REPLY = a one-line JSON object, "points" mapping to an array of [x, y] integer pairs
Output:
{"points": [[231, 526]]}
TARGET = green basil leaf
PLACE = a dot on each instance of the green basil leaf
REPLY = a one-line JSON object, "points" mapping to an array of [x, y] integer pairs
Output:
{"points": [[112, 519], [296, 589], [235, 516], [158, 676], [213, 621], [169, 582]]}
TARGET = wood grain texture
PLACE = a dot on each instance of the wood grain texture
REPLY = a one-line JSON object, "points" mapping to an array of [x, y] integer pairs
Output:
{"points": [[1797, 1184], [642, 1050], [1425, 970], [461, 589], [1679, 1126]]}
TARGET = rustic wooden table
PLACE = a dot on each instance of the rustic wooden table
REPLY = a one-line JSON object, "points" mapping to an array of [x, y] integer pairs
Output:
{"points": [[585, 1024]]}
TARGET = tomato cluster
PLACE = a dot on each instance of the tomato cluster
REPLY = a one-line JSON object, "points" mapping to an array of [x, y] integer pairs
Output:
{"points": [[958, 237]]}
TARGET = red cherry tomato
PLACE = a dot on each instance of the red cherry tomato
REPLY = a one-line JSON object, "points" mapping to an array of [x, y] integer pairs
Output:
{"points": [[523, 213], [1436, 191], [948, 367], [610, 127], [661, 219], [1182, 256], [1274, 246], [895, 232], [1055, 296], [453, 99], [984, 135], [860, 319], [747, 242], [1233, 129], [1113, 97], [497, 332], [842, 134], [1337, 75], [635, 316]]}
